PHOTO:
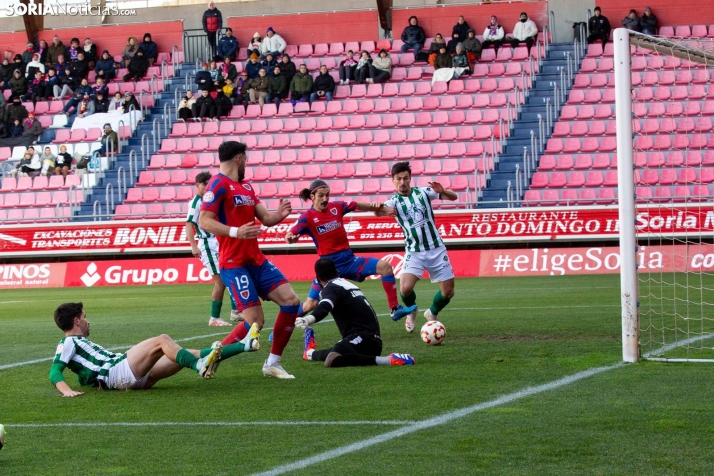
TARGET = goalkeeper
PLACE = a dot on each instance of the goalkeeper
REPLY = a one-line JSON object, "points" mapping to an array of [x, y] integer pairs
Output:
{"points": [[361, 343]]}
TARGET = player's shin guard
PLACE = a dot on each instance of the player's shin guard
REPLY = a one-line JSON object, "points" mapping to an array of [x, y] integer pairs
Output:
{"points": [[438, 303], [237, 334], [186, 359], [409, 299], [389, 283], [284, 326]]}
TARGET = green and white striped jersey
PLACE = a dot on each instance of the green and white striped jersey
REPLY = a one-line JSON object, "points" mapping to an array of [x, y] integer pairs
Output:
{"points": [[416, 217], [194, 211], [91, 362]]}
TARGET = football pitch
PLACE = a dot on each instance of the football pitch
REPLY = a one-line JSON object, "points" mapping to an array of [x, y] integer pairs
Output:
{"points": [[528, 381]]}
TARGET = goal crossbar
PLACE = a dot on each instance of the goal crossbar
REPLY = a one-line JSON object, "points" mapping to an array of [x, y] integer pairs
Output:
{"points": [[673, 47]]}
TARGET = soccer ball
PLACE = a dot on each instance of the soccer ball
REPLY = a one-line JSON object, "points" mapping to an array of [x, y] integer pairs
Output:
{"points": [[433, 332]]}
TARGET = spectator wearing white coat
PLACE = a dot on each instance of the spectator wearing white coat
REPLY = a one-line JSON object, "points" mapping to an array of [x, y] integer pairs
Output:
{"points": [[525, 31], [272, 43], [493, 34]]}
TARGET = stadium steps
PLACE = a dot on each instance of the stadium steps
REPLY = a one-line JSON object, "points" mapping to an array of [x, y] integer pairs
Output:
{"points": [[512, 155]]}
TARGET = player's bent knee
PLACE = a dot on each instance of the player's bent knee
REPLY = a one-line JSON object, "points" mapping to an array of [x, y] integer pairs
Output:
{"points": [[330, 358], [384, 268]]}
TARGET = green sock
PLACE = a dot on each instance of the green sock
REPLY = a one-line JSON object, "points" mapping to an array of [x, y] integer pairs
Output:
{"points": [[186, 359], [438, 303], [410, 299], [233, 304], [216, 309], [227, 352]]}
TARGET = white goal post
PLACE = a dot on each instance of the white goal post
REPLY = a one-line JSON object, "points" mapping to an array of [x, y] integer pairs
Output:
{"points": [[677, 315]]}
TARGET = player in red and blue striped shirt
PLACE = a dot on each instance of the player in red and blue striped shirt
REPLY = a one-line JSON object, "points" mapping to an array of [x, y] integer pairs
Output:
{"points": [[324, 223]]}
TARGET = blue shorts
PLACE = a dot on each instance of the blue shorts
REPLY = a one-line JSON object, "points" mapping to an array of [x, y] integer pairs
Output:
{"points": [[349, 267], [247, 285]]}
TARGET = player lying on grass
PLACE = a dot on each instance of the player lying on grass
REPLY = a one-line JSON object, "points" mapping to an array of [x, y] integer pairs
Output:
{"points": [[139, 367], [324, 223], [361, 343], [425, 249], [230, 208], [204, 246]]}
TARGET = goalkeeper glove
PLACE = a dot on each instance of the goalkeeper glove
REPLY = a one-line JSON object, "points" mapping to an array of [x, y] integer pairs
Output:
{"points": [[304, 322]]}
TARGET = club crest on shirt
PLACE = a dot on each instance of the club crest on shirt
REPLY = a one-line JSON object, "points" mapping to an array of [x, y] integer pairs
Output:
{"points": [[60, 349], [208, 197], [245, 294], [247, 187], [333, 211]]}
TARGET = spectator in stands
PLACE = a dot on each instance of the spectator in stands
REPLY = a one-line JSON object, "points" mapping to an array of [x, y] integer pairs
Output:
{"points": [[203, 78], [33, 66], [228, 70], [151, 51], [204, 107], [460, 61], [19, 64], [212, 23], [73, 50], [15, 129], [137, 67], [63, 162], [100, 87], [55, 50], [240, 92], [66, 84], [323, 86], [648, 22], [493, 34], [48, 160], [254, 45], [35, 88], [51, 80], [227, 46], [31, 128], [451, 45], [632, 21], [525, 31], [462, 26], [85, 107], [90, 52], [413, 36], [61, 65], [252, 67], [28, 53], [435, 47], [116, 105], [287, 68], [101, 103], [223, 105], [258, 88], [348, 67], [129, 101], [269, 62], [277, 87], [18, 84], [79, 93], [363, 66], [301, 86], [25, 166], [272, 43], [443, 59], [109, 140], [42, 50], [6, 70], [130, 50], [381, 69], [80, 66], [599, 27], [215, 74], [229, 88], [472, 45], [105, 67]]}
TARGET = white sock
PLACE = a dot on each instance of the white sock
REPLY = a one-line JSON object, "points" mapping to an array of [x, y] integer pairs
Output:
{"points": [[383, 360], [309, 354], [273, 359]]}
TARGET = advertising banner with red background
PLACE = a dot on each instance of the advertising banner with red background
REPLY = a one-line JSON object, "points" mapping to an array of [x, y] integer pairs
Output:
{"points": [[364, 230], [466, 263]]}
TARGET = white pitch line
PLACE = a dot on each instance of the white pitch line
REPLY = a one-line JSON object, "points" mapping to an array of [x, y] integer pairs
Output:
{"points": [[448, 417], [210, 423]]}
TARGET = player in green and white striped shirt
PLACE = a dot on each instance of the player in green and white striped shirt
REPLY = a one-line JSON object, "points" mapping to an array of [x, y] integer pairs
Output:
{"points": [[425, 249], [204, 245], [139, 367]]}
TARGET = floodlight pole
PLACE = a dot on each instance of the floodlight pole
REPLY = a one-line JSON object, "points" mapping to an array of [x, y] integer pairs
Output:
{"points": [[625, 182]]}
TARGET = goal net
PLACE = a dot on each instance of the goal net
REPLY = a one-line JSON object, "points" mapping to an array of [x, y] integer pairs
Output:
{"points": [[665, 179]]}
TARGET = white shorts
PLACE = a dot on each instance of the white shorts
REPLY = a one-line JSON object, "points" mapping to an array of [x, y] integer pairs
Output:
{"points": [[122, 378], [435, 261], [209, 254]]}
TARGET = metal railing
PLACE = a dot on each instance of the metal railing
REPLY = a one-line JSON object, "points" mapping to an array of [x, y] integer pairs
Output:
{"points": [[145, 151], [121, 182], [109, 197], [509, 195], [519, 182], [195, 44], [133, 165], [546, 39], [587, 21], [156, 133], [97, 216], [167, 118], [551, 24]]}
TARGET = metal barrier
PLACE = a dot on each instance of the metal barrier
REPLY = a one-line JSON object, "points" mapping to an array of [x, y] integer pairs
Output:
{"points": [[154, 87], [167, 118], [509, 195], [519, 180], [188, 81], [133, 165], [155, 132], [97, 216], [583, 39], [551, 24], [174, 57], [165, 74], [109, 197], [58, 212], [587, 21], [121, 181], [556, 99], [534, 145], [548, 114], [72, 197], [145, 152], [195, 44], [120, 125], [546, 39], [541, 133]]}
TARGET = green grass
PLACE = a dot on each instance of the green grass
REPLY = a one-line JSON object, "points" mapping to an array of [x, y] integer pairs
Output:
{"points": [[503, 335]]}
